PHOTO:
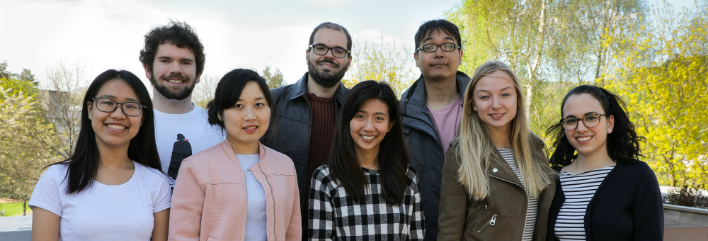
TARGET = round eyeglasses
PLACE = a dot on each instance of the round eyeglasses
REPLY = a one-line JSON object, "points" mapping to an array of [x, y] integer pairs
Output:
{"points": [[109, 105], [590, 120], [321, 49]]}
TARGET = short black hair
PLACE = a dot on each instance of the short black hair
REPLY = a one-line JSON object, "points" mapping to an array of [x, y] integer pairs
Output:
{"points": [[178, 33], [332, 26], [440, 25], [229, 90]]}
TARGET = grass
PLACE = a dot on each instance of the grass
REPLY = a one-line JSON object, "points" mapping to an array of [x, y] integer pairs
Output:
{"points": [[12, 209]]}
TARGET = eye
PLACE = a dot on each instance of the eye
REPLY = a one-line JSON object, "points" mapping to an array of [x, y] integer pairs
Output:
{"points": [[320, 48], [380, 118], [186, 63], [107, 102], [590, 117], [163, 60], [571, 120], [238, 106], [429, 47], [338, 50], [506, 94], [132, 105], [358, 116], [484, 97], [260, 104]]}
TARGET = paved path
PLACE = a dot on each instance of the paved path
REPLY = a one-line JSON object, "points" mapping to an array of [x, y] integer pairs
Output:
{"points": [[17, 228]]}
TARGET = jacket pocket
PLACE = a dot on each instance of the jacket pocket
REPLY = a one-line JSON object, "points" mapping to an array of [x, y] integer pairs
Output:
{"points": [[492, 222], [482, 210], [211, 239]]}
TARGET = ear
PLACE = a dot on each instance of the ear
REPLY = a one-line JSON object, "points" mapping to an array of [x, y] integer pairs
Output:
{"points": [[147, 71], [390, 125], [350, 59], [415, 56], [461, 53], [90, 108], [219, 115], [198, 78], [610, 123], [307, 54]]}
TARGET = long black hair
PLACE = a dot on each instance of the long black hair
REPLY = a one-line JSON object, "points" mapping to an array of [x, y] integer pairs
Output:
{"points": [[622, 143], [83, 163], [393, 152]]}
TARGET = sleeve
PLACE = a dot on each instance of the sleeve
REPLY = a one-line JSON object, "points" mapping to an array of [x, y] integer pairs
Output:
{"points": [[47, 192], [417, 224], [187, 205], [453, 200], [164, 196], [295, 231], [648, 208], [321, 215]]}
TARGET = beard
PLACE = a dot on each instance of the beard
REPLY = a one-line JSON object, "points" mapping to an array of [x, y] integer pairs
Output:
{"points": [[326, 78], [175, 95]]}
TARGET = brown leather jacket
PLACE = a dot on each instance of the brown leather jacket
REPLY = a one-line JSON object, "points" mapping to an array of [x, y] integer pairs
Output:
{"points": [[500, 216]]}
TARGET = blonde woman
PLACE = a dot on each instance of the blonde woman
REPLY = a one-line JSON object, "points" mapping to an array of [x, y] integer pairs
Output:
{"points": [[496, 181]]}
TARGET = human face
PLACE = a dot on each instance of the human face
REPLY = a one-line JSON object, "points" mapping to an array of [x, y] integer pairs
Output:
{"points": [[588, 141], [247, 120], [439, 64], [327, 70], [495, 101], [114, 129], [174, 72], [370, 125]]}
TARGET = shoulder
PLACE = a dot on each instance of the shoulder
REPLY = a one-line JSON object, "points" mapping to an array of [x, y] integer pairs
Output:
{"points": [[411, 174], [280, 162], [280, 92], [321, 174], [57, 172], [536, 141], [215, 152], [150, 174], [639, 168]]}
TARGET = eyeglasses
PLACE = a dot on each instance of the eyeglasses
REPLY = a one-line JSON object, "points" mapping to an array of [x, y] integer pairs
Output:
{"points": [[590, 120], [128, 108], [433, 47], [321, 49]]}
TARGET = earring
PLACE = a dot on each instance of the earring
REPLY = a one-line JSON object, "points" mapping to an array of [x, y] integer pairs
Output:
{"points": [[609, 131]]}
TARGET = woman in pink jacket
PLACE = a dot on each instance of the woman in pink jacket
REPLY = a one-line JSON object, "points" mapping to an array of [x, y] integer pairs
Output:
{"points": [[239, 189]]}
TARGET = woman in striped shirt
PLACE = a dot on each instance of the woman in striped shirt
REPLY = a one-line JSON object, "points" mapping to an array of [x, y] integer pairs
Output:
{"points": [[496, 182], [604, 192]]}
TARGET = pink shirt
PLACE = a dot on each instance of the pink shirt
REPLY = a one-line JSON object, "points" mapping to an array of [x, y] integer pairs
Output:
{"points": [[447, 121]]}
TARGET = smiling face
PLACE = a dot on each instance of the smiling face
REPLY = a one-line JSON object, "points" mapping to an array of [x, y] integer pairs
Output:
{"points": [[327, 70], [588, 141], [439, 64], [495, 101], [247, 121], [114, 129], [174, 72], [370, 125]]}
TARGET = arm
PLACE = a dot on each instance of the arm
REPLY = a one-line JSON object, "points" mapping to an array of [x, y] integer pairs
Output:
{"points": [[45, 225], [648, 209], [453, 200], [187, 205], [321, 219], [295, 231], [417, 224], [159, 230]]}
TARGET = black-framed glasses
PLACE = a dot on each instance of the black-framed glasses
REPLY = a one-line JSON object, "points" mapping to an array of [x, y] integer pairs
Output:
{"points": [[109, 105], [434, 47], [590, 120], [321, 49]]}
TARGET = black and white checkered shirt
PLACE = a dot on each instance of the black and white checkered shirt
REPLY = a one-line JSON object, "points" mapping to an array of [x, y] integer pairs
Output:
{"points": [[333, 215]]}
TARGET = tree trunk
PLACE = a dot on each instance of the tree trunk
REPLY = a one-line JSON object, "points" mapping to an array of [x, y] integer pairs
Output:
{"points": [[24, 207]]}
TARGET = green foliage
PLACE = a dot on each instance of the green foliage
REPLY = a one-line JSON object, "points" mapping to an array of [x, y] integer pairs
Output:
{"points": [[380, 62], [17, 86], [12, 209], [274, 78]]}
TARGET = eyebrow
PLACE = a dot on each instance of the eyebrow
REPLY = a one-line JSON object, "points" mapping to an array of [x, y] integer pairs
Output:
{"points": [[377, 113], [337, 46], [508, 87], [113, 98], [446, 38], [182, 59], [257, 98], [591, 112]]}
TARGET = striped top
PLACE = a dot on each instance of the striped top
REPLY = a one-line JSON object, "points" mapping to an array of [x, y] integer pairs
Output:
{"points": [[532, 211], [579, 188]]}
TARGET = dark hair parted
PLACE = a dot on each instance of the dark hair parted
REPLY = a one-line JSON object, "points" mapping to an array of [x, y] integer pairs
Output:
{"points": [[228, 91], [332, 26], [393, 152], [83, 163], [622, 143], [178, 33], [439, 25]]}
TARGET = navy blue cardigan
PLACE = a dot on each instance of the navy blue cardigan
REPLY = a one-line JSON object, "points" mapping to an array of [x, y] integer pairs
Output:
{"points": [[626, 206]]}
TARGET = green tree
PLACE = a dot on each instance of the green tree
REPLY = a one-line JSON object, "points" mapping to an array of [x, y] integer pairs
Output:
{"points": [[274, 78], [381, 62]]}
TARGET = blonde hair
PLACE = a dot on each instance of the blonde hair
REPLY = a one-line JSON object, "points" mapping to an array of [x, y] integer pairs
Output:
{"points": [[476, 146]]}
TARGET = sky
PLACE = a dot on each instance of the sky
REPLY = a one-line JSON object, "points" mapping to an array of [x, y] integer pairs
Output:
{"points": [[100, 34]]}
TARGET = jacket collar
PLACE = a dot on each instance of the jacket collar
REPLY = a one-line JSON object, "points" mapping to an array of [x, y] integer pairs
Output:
{"points": [[415, 97], [226, 147], [300, 90]]}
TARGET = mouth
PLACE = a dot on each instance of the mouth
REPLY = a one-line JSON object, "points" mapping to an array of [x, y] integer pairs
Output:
{"points": [[496, 116], [327, 64], [583, 139], [250, 129], [116, 128], [175, 79], [438, 64], [367, 138]]}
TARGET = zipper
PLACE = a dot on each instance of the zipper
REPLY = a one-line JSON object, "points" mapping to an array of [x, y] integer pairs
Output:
{"points": [[272, 196], [480, 212], [491, 222], [527, 199], [245, 192]]}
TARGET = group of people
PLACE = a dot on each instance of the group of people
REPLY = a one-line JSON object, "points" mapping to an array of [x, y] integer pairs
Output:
{"points": [[453, 159]]}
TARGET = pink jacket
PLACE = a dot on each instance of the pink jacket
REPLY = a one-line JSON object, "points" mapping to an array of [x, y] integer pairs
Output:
{"points": [[209, 200]]}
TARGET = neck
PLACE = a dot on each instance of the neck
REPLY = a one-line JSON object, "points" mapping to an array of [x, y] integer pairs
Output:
{"points": [[114, 157], [241, 148], [171, 106], [440, 92], [500, 137], [591, 161], [318, 90], [368, 159]]}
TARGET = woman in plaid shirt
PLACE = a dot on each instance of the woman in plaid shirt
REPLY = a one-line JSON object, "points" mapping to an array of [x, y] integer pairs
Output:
{"points": [[367, 190]]}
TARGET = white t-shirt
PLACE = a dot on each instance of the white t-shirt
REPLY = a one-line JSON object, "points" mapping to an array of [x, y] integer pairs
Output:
{"points": [[104, 212], [256, 220], [179, 136]]}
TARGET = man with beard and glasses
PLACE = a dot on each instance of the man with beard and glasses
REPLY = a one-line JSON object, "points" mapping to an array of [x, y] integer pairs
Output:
{"points": [[307, 109], [432, 108], [173, 58]]}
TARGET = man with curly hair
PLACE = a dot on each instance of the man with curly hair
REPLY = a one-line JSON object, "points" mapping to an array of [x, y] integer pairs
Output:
{"points": [[173, 59]]}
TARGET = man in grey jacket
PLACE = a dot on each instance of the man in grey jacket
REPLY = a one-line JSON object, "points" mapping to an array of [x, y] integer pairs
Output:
{"points": [[432, 109], [307, 110]]}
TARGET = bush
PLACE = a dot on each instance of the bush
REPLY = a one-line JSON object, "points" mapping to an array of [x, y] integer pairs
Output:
{"points": [[688, 196]]}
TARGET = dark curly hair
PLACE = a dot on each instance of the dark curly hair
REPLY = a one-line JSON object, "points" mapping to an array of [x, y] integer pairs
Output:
{"points": [[177, 33], [622, 143]]}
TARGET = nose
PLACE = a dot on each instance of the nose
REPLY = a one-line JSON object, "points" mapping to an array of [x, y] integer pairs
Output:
{"points": [[439, 52], [118, 112], [496, 103], [175, 67], [369, 125], [581, 126], [250, 114]]}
